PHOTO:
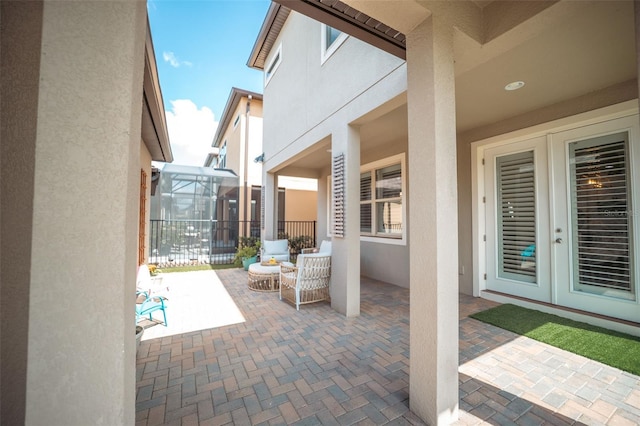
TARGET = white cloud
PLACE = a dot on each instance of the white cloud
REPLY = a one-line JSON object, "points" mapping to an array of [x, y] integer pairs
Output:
{"points": [[173, 60], [191, 132]]}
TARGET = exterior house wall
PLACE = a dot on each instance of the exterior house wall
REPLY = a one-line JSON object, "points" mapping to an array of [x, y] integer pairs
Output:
{"points": [[254, 170], [234, 136], [368, 78], [305, 103], [300, 205], [243, 145], [387, 262]]}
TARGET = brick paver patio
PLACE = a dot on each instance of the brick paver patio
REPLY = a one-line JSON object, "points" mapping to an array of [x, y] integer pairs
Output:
{"points": [[315, 366]]}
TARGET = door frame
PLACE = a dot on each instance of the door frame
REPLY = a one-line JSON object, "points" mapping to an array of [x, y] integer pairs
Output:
{"points": [[478, 148]]}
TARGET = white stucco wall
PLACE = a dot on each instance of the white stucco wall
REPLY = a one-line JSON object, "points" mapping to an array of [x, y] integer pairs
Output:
{"points": [[302, 106], [254, 170], [301, 94]]}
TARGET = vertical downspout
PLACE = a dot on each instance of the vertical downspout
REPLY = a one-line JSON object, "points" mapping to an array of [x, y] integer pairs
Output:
{"points": [[246, 167]]}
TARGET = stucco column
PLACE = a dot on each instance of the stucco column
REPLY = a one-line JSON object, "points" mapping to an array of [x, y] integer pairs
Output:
{"points": [[345, 251], [270, 224], [83, 217], [20, 39], [433, 219]]}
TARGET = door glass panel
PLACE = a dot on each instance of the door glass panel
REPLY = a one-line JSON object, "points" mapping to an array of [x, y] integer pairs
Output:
{"points": [[516, 208], [600, 215]]}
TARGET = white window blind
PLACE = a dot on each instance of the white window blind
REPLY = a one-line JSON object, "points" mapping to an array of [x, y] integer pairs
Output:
{"points": [[516, 207], [600, 209], [381, 204], [365, 203]]}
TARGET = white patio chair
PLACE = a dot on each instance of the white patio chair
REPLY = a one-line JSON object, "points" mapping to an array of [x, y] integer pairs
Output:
{"points": [[152, 286], [307, 281]]}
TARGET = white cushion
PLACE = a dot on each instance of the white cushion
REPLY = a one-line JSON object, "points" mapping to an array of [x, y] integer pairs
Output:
{"points": [[143, 279], [325, 247], [276, 247], [257, 268]]}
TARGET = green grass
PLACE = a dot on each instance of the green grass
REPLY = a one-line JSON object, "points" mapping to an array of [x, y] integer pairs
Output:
{"points": [[609, 347], [189, 268]]}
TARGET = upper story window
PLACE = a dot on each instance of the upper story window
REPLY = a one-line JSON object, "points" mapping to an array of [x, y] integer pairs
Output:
{"points": [[331, 39], [222, 157], [273, 65], [236, 121], [382, 206]]}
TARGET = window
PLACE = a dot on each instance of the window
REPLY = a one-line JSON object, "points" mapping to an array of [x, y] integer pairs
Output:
{"points": [[516, 207], [273, 65], [331, 39], [382, 212], [222, 157], [601, 215], [237, 120]]}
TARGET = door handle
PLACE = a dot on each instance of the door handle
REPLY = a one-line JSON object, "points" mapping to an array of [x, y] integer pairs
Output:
{"points": [[558, 240]]}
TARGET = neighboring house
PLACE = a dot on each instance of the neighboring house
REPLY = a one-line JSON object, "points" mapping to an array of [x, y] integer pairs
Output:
{"points": [[485, 147], [237, 146], [237, 143]]}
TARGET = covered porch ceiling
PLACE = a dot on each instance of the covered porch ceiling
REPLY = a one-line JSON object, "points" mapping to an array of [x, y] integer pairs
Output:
{"points": [[563, 51]]}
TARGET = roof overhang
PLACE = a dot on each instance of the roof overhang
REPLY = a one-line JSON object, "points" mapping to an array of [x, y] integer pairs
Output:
{"points": [[232, 104], [271, 26], [154, 124], [333, 13]]}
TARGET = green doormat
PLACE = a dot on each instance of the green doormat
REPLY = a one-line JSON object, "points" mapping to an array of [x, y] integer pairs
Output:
{"points": [[615, 349]]}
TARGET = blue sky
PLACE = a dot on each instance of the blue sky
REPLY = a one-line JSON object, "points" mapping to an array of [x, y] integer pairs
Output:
{"points": [[201, 51]]}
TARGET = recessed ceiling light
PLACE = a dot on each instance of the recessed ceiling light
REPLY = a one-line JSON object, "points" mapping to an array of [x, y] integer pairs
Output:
{"points": [[515, 85]]}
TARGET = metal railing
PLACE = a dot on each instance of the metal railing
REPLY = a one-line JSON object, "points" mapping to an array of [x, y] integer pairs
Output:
{"points": [[180, 242]]}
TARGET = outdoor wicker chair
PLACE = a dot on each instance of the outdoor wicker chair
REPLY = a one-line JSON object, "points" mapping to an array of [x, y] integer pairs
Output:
{"points": [[307, 281]]}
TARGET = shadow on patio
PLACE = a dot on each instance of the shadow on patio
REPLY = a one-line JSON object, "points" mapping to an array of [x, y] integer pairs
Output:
{"points": [[315, 366]]}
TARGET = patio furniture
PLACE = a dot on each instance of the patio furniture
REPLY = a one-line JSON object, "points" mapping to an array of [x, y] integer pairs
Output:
{"points": [[278, 249], [149, 305], [307, 281], [325, 247], [264, 277], [152, 286]]}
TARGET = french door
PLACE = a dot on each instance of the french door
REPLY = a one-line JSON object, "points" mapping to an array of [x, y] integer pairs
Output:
{"points": [[562, 218], [518, 219], [595, 214]]}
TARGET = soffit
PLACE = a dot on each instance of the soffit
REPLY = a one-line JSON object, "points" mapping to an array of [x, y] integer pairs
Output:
{"points": [[274, 21], [590, 49], [562, 52], [334, 13], [389, 128]]}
